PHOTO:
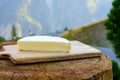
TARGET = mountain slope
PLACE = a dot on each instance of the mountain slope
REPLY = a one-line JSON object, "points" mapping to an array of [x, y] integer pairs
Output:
{"points": [[54, 15], [92, 34]]}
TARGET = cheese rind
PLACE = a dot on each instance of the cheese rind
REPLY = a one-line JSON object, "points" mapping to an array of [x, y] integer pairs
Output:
{"points": [[44, 43]]}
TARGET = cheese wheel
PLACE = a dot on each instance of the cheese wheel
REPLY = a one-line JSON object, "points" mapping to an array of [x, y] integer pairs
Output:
{"points": [[44, 43]]}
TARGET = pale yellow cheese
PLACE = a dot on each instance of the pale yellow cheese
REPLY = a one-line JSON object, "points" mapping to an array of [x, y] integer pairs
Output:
{"points": [[44, 43]]}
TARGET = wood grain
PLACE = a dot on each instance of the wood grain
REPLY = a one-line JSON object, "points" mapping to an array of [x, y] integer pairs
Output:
{"points": [[93, 68], [98, 68]]}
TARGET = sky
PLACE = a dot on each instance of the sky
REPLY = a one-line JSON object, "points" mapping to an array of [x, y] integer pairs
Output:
{"points": [[49, 3]]}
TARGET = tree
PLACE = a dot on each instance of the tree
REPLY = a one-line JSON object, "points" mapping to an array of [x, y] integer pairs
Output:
{"points": [[112, 25], [2, 39], [66, 28], [116, 70], [14, 34], [31, 33]]}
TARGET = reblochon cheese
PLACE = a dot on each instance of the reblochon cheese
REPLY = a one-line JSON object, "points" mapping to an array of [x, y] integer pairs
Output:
{"points": [[44, 43]]}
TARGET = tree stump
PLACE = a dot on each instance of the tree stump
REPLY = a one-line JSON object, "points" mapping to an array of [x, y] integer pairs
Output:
{"points": [[96, 68]]}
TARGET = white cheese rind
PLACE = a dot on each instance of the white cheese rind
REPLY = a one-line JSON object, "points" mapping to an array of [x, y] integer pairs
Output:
{"points": [[44, 43]]}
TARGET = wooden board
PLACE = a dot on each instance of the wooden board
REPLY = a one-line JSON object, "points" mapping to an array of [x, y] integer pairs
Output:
{"points": [[78, 50]]}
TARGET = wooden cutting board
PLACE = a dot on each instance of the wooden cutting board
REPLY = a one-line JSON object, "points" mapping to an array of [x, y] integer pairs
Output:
{"points": [[78, 50]]}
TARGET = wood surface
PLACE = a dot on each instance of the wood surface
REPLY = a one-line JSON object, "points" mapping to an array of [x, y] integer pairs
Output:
{"points": [[93, 68], [9, 42], [78, 50], [97, 68]]}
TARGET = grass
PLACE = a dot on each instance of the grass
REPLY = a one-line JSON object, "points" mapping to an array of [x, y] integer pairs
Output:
{"points": [[91, 34]]}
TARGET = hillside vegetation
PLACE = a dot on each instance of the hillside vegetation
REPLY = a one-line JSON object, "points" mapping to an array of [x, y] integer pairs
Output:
{"points": [[92, 34]]}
